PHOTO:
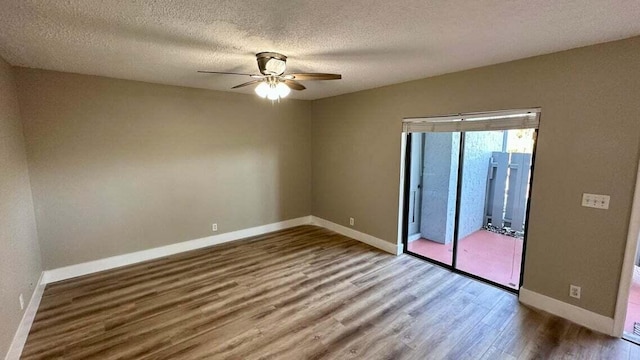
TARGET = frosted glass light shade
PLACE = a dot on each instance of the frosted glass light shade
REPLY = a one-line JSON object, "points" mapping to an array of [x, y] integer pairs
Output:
{"points": [[262, 89], [272, 95], [283, 90], [272, 89]]}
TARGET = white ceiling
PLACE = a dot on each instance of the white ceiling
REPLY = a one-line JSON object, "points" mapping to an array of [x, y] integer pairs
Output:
{"points": [[371, 42]]}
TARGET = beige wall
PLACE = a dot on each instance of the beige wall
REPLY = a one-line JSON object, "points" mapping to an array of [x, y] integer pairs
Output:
{"points": [[588, 142], [20, 254], [119, 166]]}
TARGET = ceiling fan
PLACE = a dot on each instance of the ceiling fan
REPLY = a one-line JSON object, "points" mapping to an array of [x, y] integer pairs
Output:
{"points": [[272, 82]]}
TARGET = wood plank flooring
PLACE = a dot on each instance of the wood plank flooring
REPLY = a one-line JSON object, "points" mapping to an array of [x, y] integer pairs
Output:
{"points": [[300, 293]]}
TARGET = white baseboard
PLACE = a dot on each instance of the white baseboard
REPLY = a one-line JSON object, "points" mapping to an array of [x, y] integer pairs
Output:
{"points": [[20, 338], [567, 311], [395, 249], [86, 268], [113, 262]]}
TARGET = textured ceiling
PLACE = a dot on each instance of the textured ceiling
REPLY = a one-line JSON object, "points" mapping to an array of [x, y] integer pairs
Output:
{"points": [[371, 42]]}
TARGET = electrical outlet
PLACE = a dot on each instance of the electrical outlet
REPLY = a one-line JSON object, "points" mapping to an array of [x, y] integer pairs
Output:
{"points": [[351, 221], [214, 227], [596, 201], [21, 302], [574, 291]]}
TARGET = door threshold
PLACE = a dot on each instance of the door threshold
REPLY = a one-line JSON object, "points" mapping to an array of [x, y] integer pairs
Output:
{"points": [[631, 337], [466, 274]]}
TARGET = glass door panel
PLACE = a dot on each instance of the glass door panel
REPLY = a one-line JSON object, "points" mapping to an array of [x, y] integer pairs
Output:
{"points": [[432, 194], [494, 189]]}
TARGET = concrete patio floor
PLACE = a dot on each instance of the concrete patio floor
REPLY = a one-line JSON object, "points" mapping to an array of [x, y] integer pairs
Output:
{"points": [[483, 253]]}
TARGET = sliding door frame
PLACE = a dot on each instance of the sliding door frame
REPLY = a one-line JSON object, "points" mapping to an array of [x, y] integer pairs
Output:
{"points": [[626, 277], [405, 172]]}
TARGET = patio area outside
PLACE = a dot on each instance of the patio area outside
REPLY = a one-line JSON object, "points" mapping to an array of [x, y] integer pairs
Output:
{"points": [[473, 190], [483, 253], [633, 308]]}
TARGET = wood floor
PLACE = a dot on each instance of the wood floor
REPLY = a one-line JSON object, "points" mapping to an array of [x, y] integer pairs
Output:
{"points": [[300, 293]]}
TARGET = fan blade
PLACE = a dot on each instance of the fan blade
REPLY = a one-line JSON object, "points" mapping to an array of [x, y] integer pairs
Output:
{"points": [[247, 84], [316, 76], [294, 85], [230, 73]]}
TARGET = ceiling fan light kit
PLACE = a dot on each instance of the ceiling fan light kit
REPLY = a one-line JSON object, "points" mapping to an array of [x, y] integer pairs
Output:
{"points": [[272, 89], [273, 84]]}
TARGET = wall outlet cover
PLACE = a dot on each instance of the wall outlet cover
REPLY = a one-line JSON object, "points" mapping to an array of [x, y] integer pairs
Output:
{"points": [[574, 291]]}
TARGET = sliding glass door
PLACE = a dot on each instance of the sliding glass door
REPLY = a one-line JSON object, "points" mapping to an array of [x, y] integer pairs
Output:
{"points": [[437, 161], [468, 194]]}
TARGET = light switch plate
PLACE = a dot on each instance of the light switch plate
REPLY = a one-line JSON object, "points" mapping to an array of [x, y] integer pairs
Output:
{"points": [[596, 201]]}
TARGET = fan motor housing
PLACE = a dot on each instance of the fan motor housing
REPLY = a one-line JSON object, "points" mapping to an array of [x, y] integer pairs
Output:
{"points": [[271, 63]]}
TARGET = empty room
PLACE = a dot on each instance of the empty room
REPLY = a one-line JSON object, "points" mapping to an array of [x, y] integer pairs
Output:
{"points": [[319, 179]]}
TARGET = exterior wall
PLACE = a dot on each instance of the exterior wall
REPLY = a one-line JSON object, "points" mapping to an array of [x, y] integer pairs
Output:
{"points": [[478, 147], [440, 173]]}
